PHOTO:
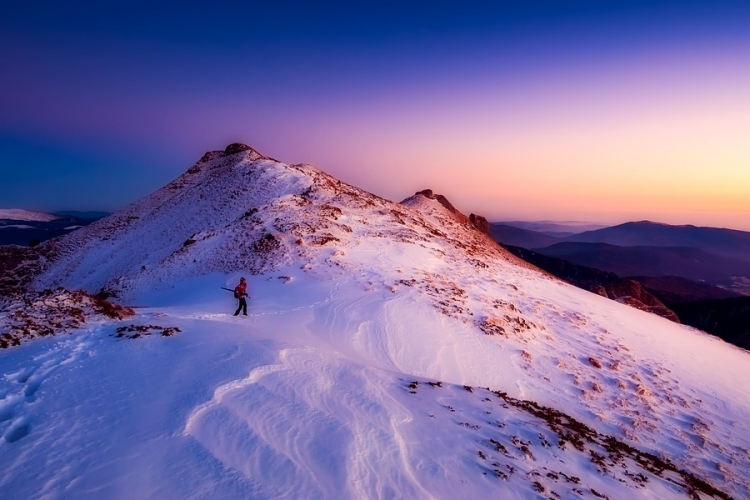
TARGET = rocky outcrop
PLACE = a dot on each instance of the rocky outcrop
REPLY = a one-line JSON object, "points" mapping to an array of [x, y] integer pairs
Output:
{"points": [[238, 147], [427, 193], [632, 293], [629, 288], [18, 266], [480, 223], [477, 221], [30, 315]]}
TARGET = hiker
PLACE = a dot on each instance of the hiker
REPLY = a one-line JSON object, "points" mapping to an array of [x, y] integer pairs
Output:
{"points": [[240, 292]]}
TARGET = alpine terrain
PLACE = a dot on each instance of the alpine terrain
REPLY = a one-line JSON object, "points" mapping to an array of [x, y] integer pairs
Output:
{"points": [[28, 228], [391, 350]]}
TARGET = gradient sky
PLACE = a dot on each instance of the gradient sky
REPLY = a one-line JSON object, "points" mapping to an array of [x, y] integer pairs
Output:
{"points": [[598, 111]]}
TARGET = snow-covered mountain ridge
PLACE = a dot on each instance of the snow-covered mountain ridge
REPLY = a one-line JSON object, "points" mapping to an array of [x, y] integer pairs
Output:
{"points": [[19, 214], [237, 212], [359, 307]]}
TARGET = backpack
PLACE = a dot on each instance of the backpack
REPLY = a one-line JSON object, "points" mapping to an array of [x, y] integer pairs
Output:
{"points": [[236, 294]]}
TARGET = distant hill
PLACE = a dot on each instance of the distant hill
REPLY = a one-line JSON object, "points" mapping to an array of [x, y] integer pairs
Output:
{"points": [[90, 215], [25, 227], [554, 228], [510, 235], [715, 256], [724, 242], [655, 261], [581, 276], [21, 215]]}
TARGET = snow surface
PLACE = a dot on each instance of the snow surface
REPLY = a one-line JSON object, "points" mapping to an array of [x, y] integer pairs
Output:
{"points": [[329, 388], [27, 215]]}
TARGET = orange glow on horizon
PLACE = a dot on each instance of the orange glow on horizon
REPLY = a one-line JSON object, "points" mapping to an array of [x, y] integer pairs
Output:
{"points": [[677, 155]]}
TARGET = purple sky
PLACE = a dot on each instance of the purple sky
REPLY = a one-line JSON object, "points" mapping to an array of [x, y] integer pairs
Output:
{"points": [[602, 111]]}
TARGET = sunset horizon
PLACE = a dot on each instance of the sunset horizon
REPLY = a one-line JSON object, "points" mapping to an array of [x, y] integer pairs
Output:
{"points": [[602, 113]]}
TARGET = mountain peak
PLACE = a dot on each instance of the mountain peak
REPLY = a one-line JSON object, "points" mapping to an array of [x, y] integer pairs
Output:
{"points": [[419, 197], [238, 147], [237, 210], [251, 153], [429, 194]]}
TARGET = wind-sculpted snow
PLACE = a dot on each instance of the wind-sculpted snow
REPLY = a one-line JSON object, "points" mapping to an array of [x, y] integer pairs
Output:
{"points": [[329, 388], [308, 426]]}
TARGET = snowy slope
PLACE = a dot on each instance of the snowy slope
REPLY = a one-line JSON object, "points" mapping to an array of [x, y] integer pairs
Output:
{"points": [[329, 389]]}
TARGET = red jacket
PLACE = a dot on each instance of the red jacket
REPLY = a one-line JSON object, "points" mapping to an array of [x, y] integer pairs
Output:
{"points": [[240, 290]]}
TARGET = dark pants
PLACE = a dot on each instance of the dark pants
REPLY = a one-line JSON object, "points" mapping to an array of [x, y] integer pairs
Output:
{"points": [[242, 307]]}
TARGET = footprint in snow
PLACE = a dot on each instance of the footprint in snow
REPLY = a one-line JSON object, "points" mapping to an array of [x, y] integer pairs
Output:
{"points": [[7, 405], [21, 376], [26, 382], [17, 430]]}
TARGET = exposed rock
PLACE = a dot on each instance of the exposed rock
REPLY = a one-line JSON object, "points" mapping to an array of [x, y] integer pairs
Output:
{"points": [[659, 311], [630, 288], [477, 221], [210, 155], [209, 159], [236, 147], [29, 315], [439, 198], [141, 331], [632, 293], [480, 223], [18, 266]]}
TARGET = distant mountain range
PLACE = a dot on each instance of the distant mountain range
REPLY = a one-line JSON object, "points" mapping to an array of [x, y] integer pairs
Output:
{"points": [[697, 275], [687, 262], [555, 228], [520, 237], [724, 242], [29, 228], [89, 215], [712, 255]]}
